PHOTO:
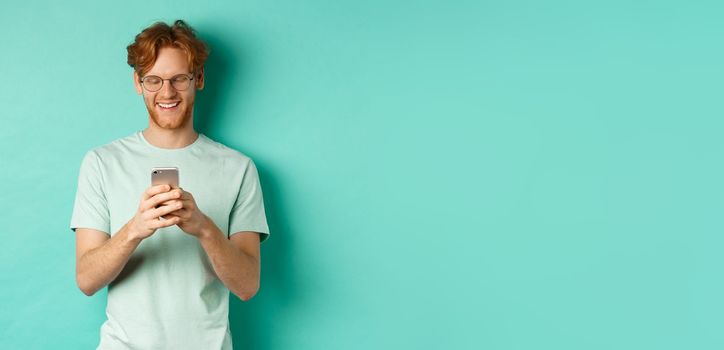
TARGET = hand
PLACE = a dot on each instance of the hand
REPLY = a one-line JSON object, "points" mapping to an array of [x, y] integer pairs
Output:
{"points": [[146, 221], [189, 217]]}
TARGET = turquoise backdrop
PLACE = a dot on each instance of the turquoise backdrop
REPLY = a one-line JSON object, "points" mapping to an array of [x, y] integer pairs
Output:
{"points": [[437, 174]]}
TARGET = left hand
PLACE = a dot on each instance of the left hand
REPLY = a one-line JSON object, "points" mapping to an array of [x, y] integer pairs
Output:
{"points": [[191, 219]]}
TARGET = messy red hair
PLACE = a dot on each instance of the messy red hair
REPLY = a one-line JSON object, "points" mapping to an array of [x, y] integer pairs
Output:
{"points": [[143, 52]]}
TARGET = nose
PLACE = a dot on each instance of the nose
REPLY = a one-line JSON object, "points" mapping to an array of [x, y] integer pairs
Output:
{"points": [[167, 90]]}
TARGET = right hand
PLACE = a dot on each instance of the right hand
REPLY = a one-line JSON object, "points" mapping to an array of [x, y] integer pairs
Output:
{"points": [[146, 221]]}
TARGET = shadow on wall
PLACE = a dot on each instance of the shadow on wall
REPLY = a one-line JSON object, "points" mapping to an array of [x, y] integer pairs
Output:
{"points": [[225, 74], [227, 80]]}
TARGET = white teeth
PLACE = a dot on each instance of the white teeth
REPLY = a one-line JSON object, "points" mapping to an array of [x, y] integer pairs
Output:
{"points": [[168, 105]]}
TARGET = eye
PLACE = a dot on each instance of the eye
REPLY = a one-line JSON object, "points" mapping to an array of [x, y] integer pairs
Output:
{"points": [[180, 79], [152, 80]]}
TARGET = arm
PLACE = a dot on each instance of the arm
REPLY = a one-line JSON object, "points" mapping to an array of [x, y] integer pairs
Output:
{"points": [[236, 260], [100, 258]]}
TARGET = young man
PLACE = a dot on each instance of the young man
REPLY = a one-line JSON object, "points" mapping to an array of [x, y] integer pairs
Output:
{"points": [[169, 255]]}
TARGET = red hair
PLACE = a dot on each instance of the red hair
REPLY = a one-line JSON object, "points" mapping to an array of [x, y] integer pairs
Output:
{"points": [[143, 52]]}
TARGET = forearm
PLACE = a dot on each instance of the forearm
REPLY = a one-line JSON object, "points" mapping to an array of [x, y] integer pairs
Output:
{"points": [[238, 271], [101, 265]]}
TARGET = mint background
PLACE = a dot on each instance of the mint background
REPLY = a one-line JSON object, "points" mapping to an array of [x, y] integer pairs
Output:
{"points": [[457, 175]]}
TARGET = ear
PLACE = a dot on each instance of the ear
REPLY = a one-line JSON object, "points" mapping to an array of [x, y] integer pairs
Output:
{"points": [[200, 77], [137, 83]]}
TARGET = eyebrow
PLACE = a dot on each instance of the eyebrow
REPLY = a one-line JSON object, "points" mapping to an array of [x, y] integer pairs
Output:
{"points": [[172, 75]]}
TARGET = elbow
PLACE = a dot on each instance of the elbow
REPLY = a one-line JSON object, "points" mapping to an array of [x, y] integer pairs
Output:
{"points": [[84, 287], [245, 293], [87, 291], [245, 297]]}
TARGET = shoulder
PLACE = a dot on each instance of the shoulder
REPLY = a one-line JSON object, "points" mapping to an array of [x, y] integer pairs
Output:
{"points": [[113, 148], [228, 154]]}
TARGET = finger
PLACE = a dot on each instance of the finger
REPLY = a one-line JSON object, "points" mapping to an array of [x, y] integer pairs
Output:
{"points": [[161, 211], [168, 221], [173, 195], [159, 198], [154, 190], [184, 194], [167, 203], [187, 200], [181, 213], [172, 216]]}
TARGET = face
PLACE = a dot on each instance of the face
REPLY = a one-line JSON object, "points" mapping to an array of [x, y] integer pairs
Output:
{"points": [[178, 113]]}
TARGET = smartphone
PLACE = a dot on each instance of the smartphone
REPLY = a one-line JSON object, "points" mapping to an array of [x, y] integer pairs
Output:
{"points": [[164, 176]]}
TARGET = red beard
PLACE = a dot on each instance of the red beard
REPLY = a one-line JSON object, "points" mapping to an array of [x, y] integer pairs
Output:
{"points": [[167, 122]]}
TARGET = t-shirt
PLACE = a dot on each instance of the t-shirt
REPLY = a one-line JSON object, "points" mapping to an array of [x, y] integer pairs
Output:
{"points": [[168, 295]]}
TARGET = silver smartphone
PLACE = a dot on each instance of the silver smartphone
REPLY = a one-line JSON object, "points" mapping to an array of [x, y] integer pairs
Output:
{"points": [[164, 176]]}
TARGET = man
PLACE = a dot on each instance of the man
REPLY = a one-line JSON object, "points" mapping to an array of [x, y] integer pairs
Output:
{"points": [[170, 258]]}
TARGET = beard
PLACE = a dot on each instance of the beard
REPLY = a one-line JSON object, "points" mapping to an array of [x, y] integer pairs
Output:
{"points": [[177, 120]]}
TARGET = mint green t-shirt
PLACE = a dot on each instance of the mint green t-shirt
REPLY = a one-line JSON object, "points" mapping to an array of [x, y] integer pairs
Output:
{"points": [[168, 295]]}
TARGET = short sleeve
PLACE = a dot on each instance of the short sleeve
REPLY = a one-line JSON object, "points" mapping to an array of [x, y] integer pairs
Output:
{"points": [[248, 212], [91, 207]]}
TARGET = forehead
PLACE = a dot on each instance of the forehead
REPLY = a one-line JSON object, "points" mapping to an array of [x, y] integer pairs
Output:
{"points": [[170, 61]]}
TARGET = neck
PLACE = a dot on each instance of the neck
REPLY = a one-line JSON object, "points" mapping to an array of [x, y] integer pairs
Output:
{"points": [[170, 138]]}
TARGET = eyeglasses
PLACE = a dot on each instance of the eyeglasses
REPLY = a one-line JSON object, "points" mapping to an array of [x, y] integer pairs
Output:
{"points": [[179, 82]]}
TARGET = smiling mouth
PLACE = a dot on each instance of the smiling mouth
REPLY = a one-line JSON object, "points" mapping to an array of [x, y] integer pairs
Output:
{"points": [[168, 106]]}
